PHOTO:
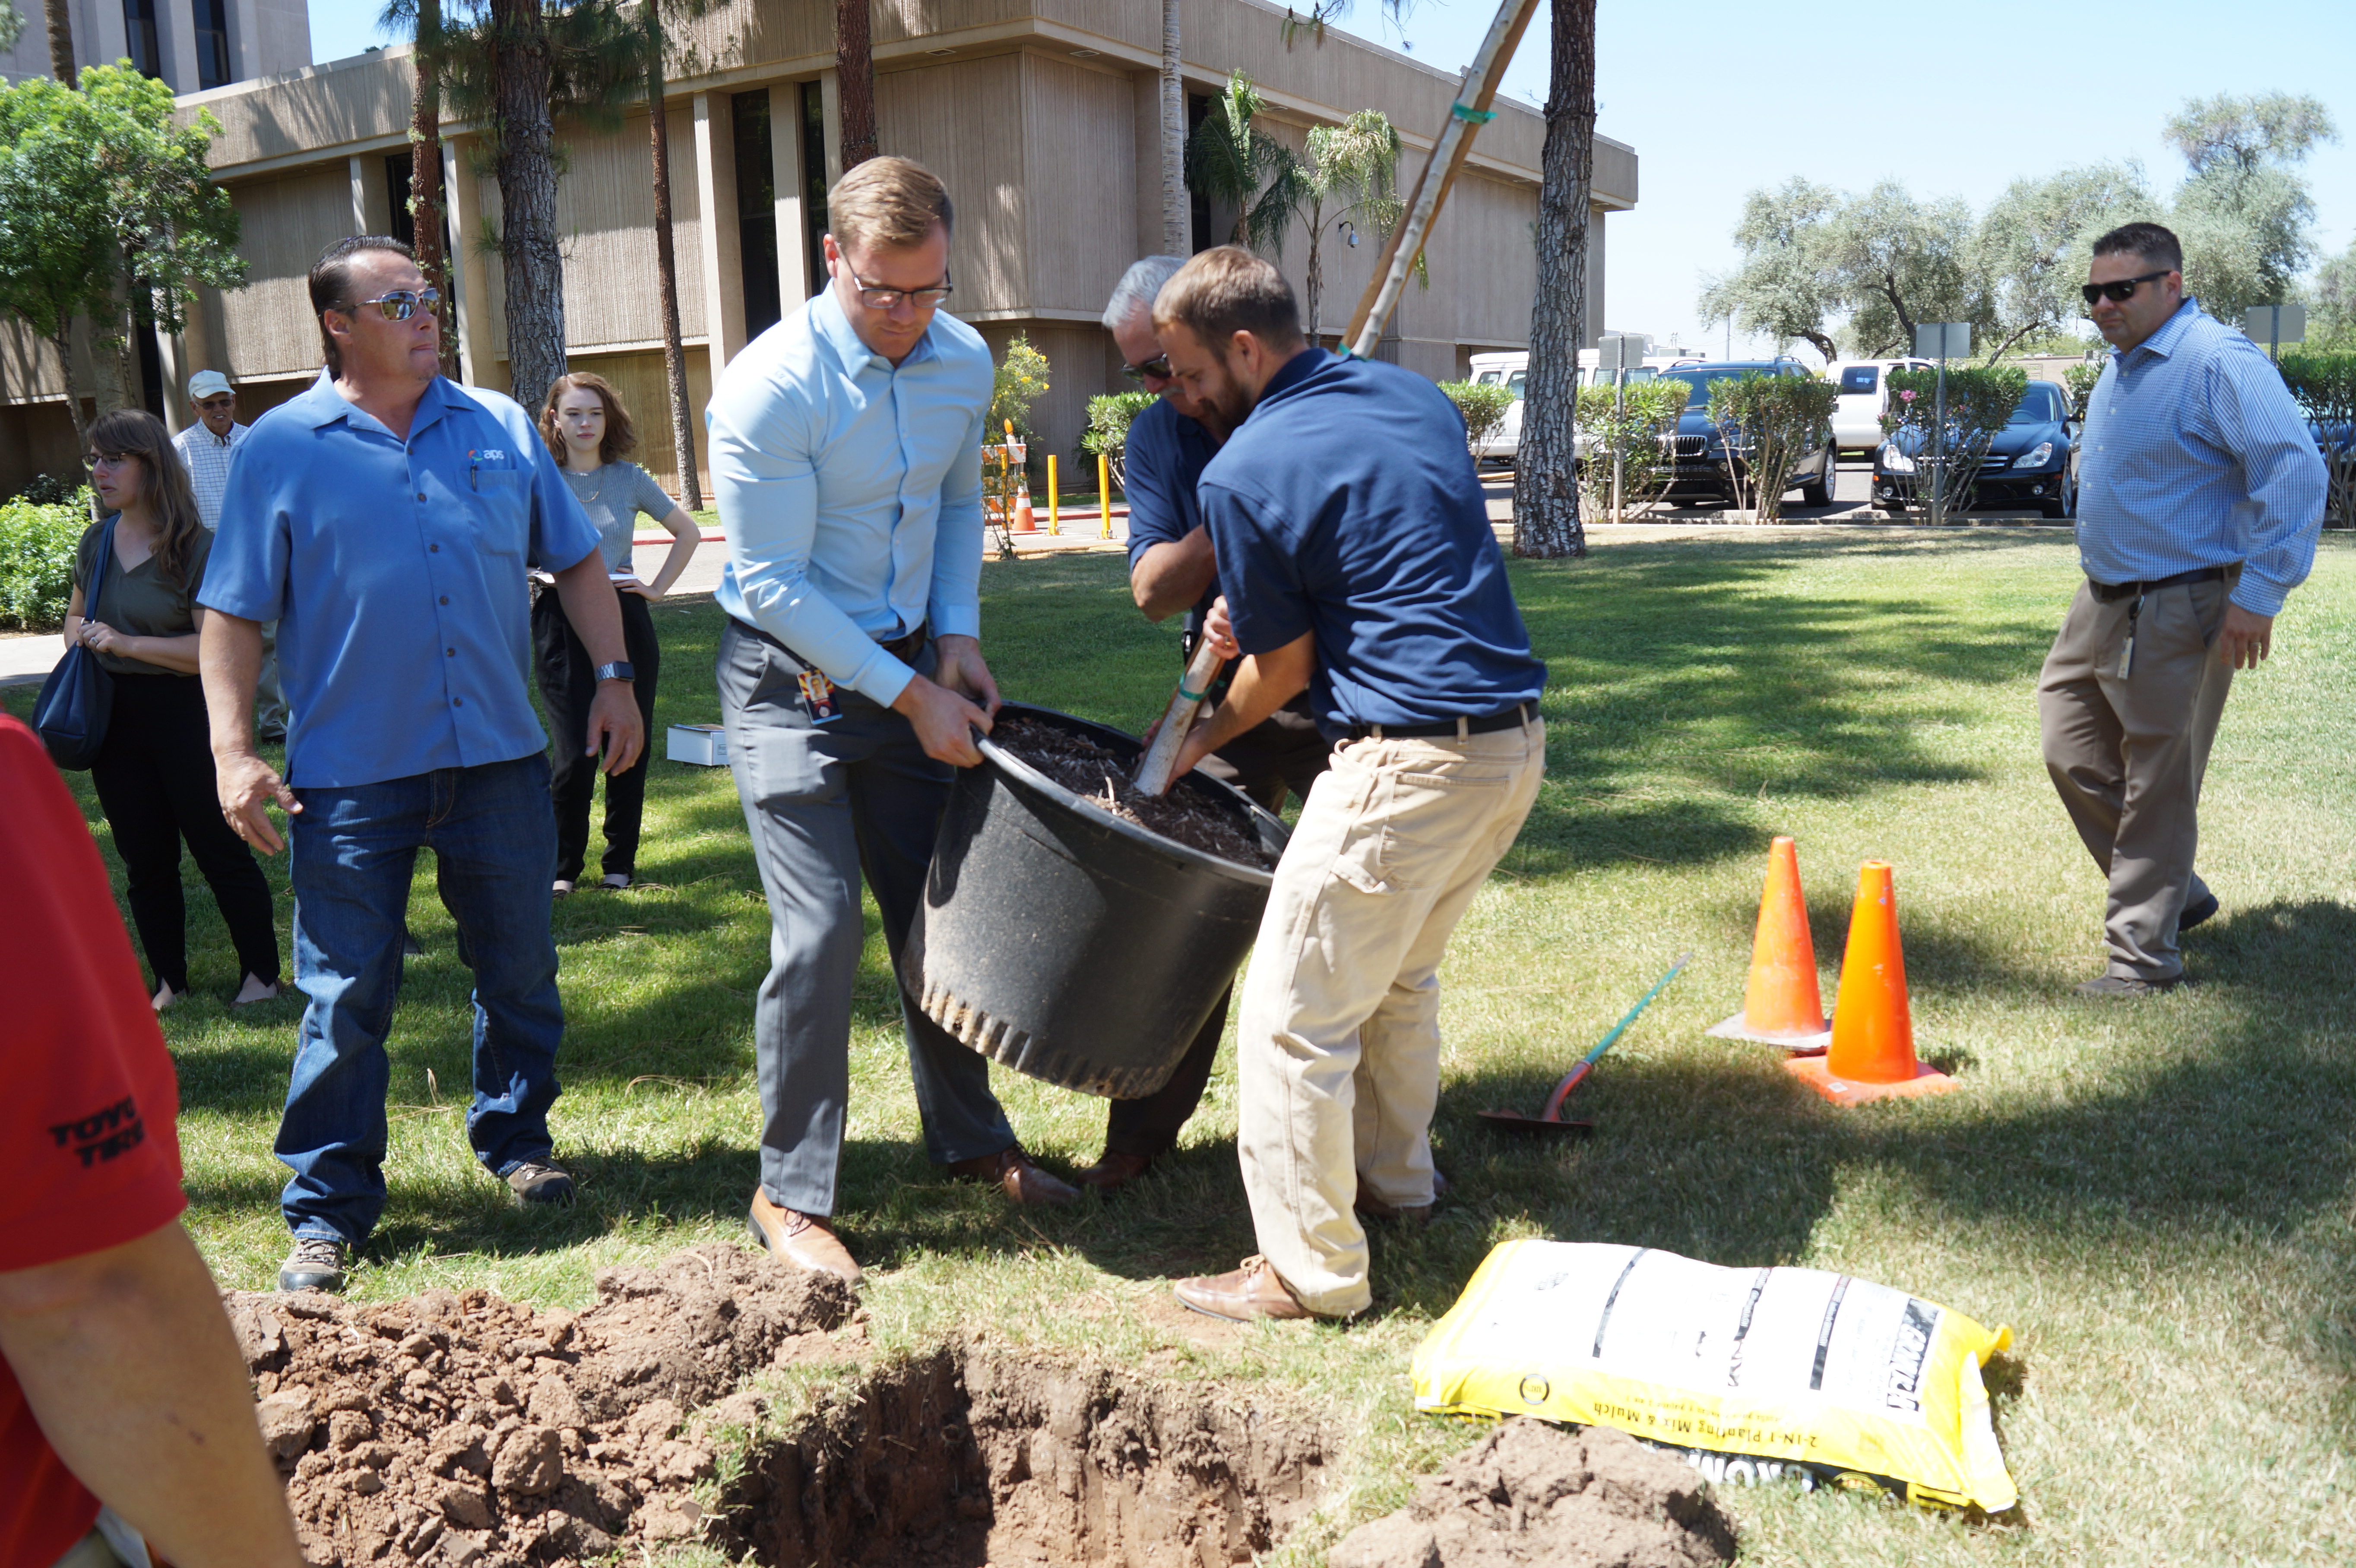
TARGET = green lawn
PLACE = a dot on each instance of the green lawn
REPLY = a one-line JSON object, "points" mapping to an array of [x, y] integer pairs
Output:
{"points": [[2156, 1196]]}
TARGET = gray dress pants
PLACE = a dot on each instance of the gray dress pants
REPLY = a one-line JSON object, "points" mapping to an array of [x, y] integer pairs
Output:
{"points": [[826, 804], [2127, 753]]}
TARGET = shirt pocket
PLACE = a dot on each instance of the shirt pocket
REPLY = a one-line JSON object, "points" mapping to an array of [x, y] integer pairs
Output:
{"points": [[501, 501], [1417, 825]]}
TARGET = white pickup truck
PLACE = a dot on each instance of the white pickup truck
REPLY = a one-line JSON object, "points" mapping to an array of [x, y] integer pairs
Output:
{"points": [[1864, 394]]}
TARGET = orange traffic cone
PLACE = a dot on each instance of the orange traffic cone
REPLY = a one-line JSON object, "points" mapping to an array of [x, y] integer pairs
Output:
{"points": [[1781, 1005], [1025, 520], [1872, 1052]]}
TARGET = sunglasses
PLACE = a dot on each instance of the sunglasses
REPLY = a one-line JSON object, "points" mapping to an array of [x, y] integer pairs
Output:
{"points": [[1158, 367], [401, 303], [2122, 291], [875, 298], [226, 400]]}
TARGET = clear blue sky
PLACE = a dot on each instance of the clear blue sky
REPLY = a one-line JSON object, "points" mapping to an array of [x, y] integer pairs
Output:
{"points": [[1722, 97]]}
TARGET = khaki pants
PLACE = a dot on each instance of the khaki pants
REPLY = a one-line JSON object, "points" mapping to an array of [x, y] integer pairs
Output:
{"points": [[2127, 754], [1338, 1049]]}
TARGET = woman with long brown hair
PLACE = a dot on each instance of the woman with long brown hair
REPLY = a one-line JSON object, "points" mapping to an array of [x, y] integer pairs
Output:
{"points": [[591, 434], [155, 773]]}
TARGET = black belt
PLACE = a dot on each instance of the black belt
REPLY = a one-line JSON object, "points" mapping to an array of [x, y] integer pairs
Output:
{"points": [[1518, 716], [2112, 593]]}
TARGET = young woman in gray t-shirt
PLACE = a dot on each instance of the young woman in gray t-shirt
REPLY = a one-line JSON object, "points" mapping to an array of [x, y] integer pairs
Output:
{"points": [[590, 432]]}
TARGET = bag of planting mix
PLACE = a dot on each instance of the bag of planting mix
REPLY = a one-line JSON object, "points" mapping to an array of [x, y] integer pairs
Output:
{"points": [[1849, 1381]]}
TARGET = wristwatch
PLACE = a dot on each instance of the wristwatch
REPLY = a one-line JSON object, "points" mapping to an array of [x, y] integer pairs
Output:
{"points": [[617, 670]]}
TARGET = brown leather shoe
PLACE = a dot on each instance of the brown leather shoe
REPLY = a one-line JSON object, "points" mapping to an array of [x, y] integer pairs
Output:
{"points": [[1113, 1169], [1010, 1171], [803, 1240], [1249, 1293]]}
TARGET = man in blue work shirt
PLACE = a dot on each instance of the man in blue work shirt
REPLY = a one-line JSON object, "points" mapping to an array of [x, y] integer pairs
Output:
{"points": [[2199, 498], [846, 456], [1171, 570], [1370, 578], [385, 519]]}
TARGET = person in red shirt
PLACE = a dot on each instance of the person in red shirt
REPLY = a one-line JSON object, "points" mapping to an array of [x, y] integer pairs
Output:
{"points": [[119, 1378]]}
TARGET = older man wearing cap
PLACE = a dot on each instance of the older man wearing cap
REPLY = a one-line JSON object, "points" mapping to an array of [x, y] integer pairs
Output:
{"points": [[206, 447]]}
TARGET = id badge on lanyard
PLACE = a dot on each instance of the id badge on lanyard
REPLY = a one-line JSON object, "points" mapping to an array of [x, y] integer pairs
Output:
{"points": [[817, 696]]}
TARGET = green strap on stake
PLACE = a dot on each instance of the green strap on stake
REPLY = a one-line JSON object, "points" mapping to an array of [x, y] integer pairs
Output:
{"points": [[1472, 115], [1191, 695]]}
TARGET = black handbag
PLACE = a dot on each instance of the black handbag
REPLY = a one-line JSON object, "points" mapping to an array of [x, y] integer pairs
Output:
{"points": [[79, 696]]}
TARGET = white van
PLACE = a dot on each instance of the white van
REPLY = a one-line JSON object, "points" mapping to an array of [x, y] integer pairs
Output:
{"points": [[1511, 368], [1864, 394]]}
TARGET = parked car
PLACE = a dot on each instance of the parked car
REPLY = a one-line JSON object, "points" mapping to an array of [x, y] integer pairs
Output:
{"points": [[2030, 463], [1702, 472], [1511, 367], [1864, 395]]}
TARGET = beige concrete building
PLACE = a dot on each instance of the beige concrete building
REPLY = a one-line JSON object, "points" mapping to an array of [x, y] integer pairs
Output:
{"points": [[1039, 113]]}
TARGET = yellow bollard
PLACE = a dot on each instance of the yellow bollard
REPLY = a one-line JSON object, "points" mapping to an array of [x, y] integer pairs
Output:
{"points": [[1104, 495], [1052, 498]]}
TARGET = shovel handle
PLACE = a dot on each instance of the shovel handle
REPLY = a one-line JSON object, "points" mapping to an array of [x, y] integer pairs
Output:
{"points": [[1160, 763], [1578, 1075]]}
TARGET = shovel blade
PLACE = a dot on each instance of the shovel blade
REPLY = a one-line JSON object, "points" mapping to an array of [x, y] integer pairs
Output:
{"points": [[1514, 1122]]}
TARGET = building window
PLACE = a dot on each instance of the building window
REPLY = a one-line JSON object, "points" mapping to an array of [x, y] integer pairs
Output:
{"points": [[757, 211], [1198, 203], [814, 184], [139, 25], [212, 45], [400, 223]]}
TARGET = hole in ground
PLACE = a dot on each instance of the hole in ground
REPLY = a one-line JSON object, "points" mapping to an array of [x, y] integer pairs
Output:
{"points": [[966, 1459]]}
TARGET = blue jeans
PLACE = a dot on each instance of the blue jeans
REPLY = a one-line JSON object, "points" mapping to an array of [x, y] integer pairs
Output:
{"points": [[494, 840]]}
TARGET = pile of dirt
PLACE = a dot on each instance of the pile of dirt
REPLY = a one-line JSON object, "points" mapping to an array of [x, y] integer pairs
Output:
{"points": [[457, 1428], [966, 1457], [1100, 776], [1531, 1493]]}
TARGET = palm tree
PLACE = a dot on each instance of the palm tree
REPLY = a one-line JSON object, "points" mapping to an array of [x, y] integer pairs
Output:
{"points": [[1545, 491], [1350, 165], [1174, 239], [425, 158], [58, 14], [682, 427], [854, 72], [1230, 161]]}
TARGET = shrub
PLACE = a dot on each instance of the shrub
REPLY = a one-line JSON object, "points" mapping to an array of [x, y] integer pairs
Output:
{"points": [[1484, 405], [2325, 386], [36, 554], [2081, 379], [48, 490], [1767, 421], [1980, 400], [1106, 434], [1648, 425]]}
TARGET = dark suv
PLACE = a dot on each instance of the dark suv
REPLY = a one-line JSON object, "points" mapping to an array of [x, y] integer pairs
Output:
{"points": [[1701, 474]]}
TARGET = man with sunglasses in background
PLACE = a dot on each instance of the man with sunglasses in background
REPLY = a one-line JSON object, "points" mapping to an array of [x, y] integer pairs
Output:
{"points": [[2199, 498], [846, 462], [206, 447], [1171, 570], [386, 518]]}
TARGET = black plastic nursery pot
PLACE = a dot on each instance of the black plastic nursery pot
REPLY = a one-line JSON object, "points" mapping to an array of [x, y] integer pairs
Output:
{"points": [[1067, 944]]}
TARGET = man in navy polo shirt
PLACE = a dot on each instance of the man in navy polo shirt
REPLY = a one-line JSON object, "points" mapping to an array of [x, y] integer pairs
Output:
{"points": [[385, 519], [1171, 570], [1367, 574]]}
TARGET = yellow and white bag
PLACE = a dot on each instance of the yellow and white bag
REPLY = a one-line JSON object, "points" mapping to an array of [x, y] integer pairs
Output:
{"points": [[1851, 1381]]}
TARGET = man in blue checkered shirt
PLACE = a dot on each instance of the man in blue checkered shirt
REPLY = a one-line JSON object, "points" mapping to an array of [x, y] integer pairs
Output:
{"points": [[2199, 497]]}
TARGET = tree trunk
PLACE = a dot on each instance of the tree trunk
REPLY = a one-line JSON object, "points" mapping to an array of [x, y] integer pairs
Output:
{"points": [[854, 71], [1316, 276], [1175, 208], [683, 430], [63, 343], [533, 266], [425, 175], [59, 16], [1545, 489]]}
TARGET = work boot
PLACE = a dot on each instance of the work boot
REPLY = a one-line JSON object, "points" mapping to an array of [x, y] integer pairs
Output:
{"points": [[1113, 1170], [2197, 915], [1244, 1295], [804, 1240], [1011, 1172], [534, 1182], [317, 1263], [2128, 985]]}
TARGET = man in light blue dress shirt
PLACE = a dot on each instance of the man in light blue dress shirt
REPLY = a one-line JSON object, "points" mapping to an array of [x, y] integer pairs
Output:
{"points": [[2199, 498], [846, 461], [385, 519]]}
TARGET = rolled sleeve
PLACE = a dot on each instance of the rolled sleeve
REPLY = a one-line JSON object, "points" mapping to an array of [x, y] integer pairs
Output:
{"points": [[954, 604], [765, 482], [2285, 474]]}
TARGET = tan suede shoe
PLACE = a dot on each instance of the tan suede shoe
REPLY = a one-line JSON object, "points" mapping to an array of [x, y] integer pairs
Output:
{"points": [[803, 1240], [1011, 1172], [1251, 1292]]}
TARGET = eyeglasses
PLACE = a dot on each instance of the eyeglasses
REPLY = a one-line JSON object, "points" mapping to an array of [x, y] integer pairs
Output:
{"points": [[2122, 291], [1157, 367], [876, 298], [399, 304], [94, 461]]}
